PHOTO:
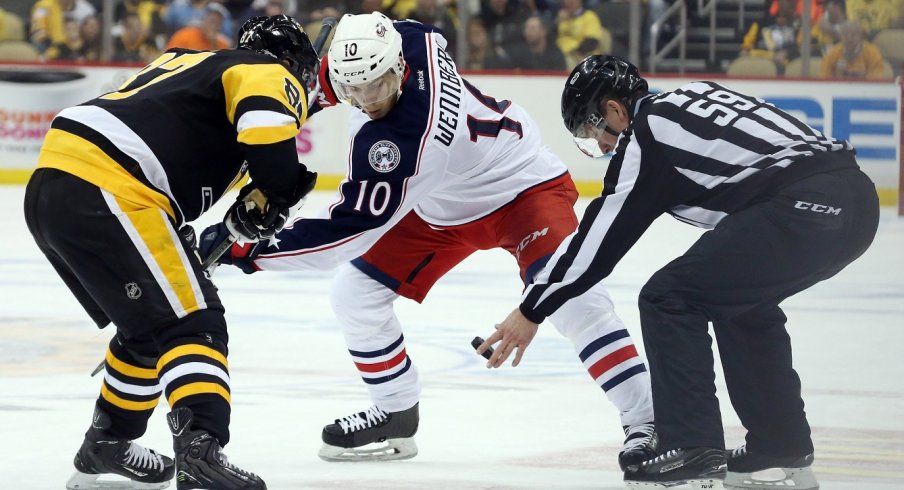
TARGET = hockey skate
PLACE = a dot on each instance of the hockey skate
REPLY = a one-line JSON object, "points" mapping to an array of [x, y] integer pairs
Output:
{"points": [[392, 433], [640, 445], [746, 471], [200, 462], [101, 456], [700, 467]]}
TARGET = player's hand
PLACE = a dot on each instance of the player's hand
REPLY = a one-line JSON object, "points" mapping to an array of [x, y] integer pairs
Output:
{"points": [[515, 333], [258, 214], [248, 216], [239, 255]]}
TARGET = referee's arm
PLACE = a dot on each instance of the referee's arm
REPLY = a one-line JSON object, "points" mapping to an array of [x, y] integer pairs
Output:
{"points": [[635, 192]]}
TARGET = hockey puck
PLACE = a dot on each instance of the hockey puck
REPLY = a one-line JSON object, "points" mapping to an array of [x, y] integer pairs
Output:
{"points": [[476, 343]]}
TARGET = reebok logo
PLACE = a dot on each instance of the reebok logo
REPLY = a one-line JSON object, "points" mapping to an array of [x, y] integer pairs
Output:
{"points": [[818, 208]]}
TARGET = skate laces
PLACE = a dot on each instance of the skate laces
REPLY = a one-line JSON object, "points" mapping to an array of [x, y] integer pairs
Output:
{"points": [[638, 436], [221, 457], [662, 457], [739, 451], [142, 457], [362, 420]]}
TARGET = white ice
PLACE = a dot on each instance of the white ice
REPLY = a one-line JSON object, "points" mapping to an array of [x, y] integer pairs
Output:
{"points": [[542, 425]]}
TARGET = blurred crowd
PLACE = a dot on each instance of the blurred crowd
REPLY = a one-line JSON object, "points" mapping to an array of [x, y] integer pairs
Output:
{"points": [[841, 32], [500, 34]]}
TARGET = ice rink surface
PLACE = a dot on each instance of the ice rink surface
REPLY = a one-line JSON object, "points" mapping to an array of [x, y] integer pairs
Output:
{"points": [[542, 425]]}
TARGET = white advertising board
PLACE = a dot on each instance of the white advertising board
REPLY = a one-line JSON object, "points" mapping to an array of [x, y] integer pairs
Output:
{"points": [[866, 113]]}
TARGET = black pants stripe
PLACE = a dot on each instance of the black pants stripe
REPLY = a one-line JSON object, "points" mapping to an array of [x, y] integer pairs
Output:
{"points": [[735, 276]]}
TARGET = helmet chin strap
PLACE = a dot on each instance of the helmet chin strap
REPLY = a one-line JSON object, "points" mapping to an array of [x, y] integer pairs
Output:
{"points": [[611, 131]]}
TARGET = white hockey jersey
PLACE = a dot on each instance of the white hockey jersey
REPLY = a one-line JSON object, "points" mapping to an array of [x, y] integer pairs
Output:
{"points": [[446, 151]]}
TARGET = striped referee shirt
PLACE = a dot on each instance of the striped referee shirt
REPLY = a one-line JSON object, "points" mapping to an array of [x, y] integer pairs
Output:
{"points": [[699, 153]]}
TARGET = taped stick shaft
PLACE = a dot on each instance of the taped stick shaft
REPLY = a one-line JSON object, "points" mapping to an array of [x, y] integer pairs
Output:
{"points": [[217, 252]]}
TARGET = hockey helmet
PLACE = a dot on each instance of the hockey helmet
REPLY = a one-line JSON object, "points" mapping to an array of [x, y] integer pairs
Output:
{"points": [[365, 59], [593, 79], [283, 38]]}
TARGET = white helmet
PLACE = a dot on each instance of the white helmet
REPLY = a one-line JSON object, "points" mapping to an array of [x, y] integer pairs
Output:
{"points": [[366, 49]]}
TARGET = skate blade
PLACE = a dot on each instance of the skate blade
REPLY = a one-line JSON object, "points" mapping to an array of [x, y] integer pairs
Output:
{"points": [[700, 484], [85, 481], [796, 478], [391, 450]]}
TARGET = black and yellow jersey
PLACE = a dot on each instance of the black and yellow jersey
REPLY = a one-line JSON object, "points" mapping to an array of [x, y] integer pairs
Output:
{"points": [[178, 134]]}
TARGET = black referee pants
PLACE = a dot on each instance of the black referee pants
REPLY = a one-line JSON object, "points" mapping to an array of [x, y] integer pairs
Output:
{"points": [[735, 276]]}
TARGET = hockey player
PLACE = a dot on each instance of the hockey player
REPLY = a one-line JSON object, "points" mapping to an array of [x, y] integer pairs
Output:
{"points": [[788, 207], [437, 171], [117, 177]]}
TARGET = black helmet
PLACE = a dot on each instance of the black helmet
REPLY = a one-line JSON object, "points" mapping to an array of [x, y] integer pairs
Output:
{"points": [[595, 78], [283, 38]]}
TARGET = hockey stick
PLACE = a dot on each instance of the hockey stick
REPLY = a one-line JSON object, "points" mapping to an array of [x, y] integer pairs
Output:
{"points": [[260, 200]]}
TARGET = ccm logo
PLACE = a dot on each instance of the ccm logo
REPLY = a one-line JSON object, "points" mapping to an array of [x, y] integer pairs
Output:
{"points": [[818, 208]]}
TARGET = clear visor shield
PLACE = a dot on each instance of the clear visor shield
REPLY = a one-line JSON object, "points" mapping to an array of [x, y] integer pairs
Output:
{"points": [[370, 93], [587, 138]]}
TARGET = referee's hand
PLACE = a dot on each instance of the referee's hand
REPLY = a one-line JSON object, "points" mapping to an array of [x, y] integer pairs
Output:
{"points": [[515, 333]]}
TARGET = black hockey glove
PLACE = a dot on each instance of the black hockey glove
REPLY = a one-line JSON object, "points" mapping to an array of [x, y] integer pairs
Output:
{"points": [[258, 214], [241, 256]]}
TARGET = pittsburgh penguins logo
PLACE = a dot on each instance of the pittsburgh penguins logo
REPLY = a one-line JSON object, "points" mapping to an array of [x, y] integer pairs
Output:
{"points": [[384, 156]]}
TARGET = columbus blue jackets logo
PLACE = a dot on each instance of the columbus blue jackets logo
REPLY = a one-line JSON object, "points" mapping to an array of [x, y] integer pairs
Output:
{"points": [[384, 156]]}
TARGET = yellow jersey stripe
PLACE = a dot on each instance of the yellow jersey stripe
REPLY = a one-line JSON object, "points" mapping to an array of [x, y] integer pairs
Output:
{"points": [[154, 229], [267, 80], [267, 135], [124, 404], [128, 369], [191, 349], [198, 389], [77, 156]]}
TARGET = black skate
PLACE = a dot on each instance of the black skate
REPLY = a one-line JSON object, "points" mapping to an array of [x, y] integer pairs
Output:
{"points": [[200, 462], [699, 467], [760, 471], [640, 445], [344, 440], [101, 455]]}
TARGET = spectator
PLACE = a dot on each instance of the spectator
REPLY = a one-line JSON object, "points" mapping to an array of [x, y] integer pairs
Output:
{"points": [[184, 13], [70, 48], [853, 57], [134, 43], [537, 52], [580, 32], [432, 13], [207, 36], [150, 13], [90, 32], [482, 55], [777, 36], [830, 24], [48, 23], [503, 21], [875, 15]]}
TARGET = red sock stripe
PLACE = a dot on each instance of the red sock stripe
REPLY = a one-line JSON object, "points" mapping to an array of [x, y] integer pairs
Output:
{"points": [[383, 365], [612, 360]]}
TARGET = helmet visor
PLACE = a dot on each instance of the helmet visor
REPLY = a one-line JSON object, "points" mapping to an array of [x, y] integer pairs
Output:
{"points": [[373, 92], [587, 137]]}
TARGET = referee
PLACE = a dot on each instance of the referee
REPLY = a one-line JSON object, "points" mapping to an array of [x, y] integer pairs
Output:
{"points": [[788, 207]]}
